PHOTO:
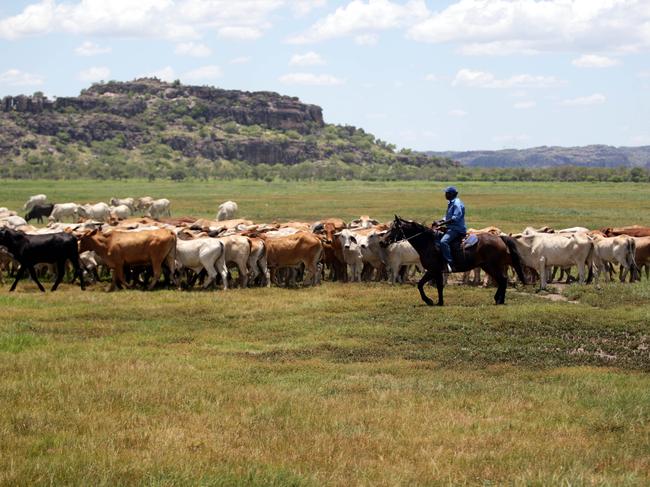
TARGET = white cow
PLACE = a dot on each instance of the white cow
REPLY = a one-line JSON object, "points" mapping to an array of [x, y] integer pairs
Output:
{"points": [[238, 251], [203, 253], [544, 250], [120, 212], [12, 221], [351, 253], [396, 255], [63, 210], [37, 199], [614, 250], [370, 256], [130, 202], [227, 210], [99, 212], [159, 208], [364, 221]]}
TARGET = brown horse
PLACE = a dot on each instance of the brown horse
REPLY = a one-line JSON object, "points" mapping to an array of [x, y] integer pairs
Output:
{"points": [[492, 253]]}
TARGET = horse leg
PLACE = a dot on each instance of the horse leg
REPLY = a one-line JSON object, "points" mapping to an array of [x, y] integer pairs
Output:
{"points": [[19, 275], [440, 284], [428, 276]]}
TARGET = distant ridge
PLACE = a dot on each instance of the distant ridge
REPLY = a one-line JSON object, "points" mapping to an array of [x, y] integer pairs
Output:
{"points": [[545, 156]]}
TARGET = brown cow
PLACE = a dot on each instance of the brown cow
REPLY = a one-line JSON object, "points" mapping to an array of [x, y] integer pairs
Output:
{"points": [[333, 253], [632, 231], [292, 250], [120, 248]]}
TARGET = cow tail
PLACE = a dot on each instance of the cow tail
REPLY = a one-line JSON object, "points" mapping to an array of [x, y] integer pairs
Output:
{"points": [[590, 261], [631, 262], [514, 257]]}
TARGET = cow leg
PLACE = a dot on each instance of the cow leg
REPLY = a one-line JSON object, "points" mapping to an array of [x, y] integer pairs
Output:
{"points": [[19, 275], [542, 272], [32, 273], [157, 271], [60, 272], [581, 272], [428, 276], [220, 265]]}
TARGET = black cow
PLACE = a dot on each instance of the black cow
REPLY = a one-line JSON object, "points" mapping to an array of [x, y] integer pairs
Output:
{"points": [[35, 249], [39, 211]]}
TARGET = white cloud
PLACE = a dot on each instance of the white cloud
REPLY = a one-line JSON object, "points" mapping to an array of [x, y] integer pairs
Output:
{"points": [[240, 33], [16, 77], [511, 138], [308, 59], [95, 73], [166, 19], [240, 60], [91, 49], [640, 140], [165, 74], [458, 113], [366, 39], [193, 49], [594, 61], [431, 77], [644, 74], [595, 99], [310, 79], [528, 26], [482, 79], [303, 7], [360, 17], [203, 73], [525, 105]]}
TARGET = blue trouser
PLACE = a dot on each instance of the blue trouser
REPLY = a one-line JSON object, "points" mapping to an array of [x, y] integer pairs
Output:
{"points": [[444, 243]]}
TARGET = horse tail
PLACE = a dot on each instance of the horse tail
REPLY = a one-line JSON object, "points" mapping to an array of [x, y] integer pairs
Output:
{"points": [[514, 257]]}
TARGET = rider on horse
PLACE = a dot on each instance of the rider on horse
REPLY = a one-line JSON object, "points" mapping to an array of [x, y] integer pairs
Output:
{"points": [[454, 220]]}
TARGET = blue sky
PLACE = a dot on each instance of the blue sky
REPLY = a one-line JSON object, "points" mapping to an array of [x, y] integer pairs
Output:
{"points": [[438, 75]]}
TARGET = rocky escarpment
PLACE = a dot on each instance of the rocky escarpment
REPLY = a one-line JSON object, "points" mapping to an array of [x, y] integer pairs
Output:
{"points": [[588, 156], [150, 125]]}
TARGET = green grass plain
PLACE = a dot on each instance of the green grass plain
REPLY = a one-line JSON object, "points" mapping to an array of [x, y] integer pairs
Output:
{"points": [[356, 384]]}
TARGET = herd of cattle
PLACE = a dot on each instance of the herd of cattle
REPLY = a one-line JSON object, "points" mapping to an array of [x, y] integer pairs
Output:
{"points": [[137, 242]]}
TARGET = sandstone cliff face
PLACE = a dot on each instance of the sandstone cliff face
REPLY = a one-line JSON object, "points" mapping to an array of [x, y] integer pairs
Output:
{"points": [[201, 123]]}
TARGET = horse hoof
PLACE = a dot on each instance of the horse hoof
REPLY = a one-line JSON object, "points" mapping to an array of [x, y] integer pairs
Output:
{"points": [[429, 302]]}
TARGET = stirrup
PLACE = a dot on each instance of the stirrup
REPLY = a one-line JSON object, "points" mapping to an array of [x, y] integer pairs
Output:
{"points": [[448, 268]]}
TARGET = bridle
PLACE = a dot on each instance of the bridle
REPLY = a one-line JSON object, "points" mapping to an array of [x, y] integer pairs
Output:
{"points": [[404, 237]]}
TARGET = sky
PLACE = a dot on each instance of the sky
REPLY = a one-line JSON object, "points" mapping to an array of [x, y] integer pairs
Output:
{"points": [[427, 75]]}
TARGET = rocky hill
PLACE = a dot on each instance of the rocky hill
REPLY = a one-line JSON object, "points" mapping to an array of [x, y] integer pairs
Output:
{"points": [[150, 128], [588, 156]]}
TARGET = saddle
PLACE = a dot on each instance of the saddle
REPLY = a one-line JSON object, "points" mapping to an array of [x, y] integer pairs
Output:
{"points": [[460, 246]]}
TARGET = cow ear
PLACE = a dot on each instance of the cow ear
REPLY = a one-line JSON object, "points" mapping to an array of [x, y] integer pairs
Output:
{"points": [[337, 234]]}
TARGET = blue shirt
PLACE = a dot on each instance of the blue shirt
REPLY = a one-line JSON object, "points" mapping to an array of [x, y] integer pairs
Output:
{"points": [[456, 213]]}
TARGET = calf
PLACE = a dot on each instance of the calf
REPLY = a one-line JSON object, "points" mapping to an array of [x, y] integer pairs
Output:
{"points": [[395, 255], [352, 255], [30, 250], [63, 210], [38, 199], [615, 250], [227, 211], [100, 212], [159, 208], [38, 212]]}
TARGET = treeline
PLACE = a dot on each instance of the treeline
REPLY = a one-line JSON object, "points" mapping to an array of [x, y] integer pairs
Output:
{"points": [[156, 161]]}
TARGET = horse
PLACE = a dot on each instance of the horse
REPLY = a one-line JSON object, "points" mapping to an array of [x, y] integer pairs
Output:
{"points": [[492, 253]]}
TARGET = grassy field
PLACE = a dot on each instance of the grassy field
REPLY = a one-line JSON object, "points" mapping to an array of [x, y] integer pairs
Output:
{"points": [[356, 384]]}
